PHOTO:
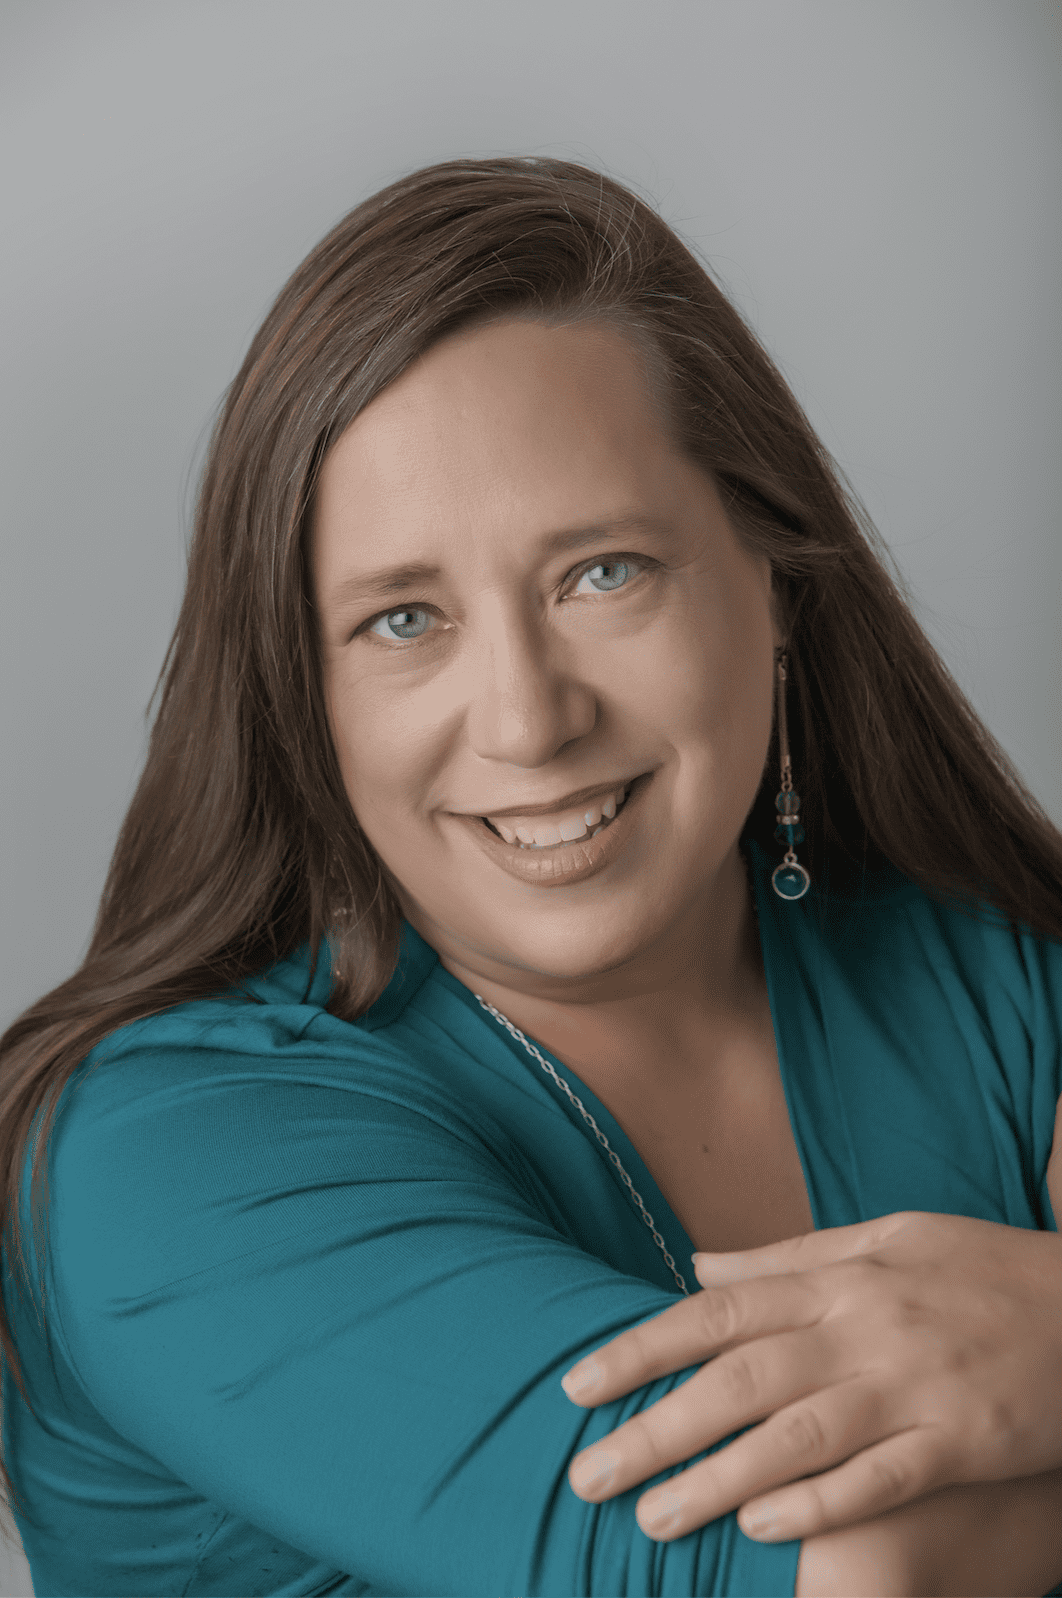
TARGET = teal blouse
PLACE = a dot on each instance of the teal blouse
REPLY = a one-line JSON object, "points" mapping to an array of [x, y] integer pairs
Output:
{"points": [[311, 1285]]}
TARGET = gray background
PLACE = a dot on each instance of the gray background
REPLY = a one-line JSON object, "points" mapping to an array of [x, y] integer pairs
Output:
{"points": [[876, 184]]}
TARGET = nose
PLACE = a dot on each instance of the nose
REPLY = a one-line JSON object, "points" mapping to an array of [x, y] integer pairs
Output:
{"points": [[527, 699]]}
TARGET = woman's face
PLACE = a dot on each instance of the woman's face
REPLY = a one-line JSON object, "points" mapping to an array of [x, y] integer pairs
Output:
{"points": [[529, 599]]}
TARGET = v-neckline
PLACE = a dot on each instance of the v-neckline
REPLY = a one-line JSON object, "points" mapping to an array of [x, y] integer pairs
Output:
{"points": [[679, 1243]]}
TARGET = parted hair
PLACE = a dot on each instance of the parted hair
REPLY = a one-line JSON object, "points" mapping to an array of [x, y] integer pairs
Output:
{"points": [[240, 843]]}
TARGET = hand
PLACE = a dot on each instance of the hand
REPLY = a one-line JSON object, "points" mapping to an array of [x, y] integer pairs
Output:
{"points": [[909, 1353]]}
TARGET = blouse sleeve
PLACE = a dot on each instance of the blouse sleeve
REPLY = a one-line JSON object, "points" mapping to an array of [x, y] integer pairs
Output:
{"points": [[1042, 961], [315, 1292]]}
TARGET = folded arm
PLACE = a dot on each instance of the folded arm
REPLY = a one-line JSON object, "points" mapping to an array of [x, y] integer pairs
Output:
{"points": [[329, 1306]]}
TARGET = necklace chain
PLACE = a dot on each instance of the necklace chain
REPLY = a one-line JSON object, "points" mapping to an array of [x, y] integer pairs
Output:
{"points": [[601, 1138], [588, 1118]]}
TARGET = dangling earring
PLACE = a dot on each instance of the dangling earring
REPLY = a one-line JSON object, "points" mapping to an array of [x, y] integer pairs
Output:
{"points": [[790, 880]]}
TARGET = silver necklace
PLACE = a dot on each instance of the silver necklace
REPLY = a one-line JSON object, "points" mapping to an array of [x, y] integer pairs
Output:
{"points": [[585, 1113], [601, 1138]]}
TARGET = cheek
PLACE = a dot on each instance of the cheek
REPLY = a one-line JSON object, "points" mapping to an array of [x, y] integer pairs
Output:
{"points": [[736, 726], [376, 754], [721, 684]]}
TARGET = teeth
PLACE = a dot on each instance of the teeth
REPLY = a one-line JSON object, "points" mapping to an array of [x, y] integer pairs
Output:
{"points": [[542, 837], [599, 828], [568, 829]]}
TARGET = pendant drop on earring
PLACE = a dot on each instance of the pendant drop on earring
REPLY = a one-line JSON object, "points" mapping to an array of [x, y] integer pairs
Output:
{"points": [[790, 880]]}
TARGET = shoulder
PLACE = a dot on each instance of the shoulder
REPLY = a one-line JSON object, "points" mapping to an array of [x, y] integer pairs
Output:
{"points": [[275, 1023], [891, 967], [207, 1086], [890, 933], [936, 1027], [243, 1113]]}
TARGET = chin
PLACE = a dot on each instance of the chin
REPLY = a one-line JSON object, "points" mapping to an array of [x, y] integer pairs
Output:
{"points": [[572, 942]]}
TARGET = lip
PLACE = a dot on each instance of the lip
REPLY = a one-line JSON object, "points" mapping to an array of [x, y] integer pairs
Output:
{"points": [[563, 864], [577, 800]]}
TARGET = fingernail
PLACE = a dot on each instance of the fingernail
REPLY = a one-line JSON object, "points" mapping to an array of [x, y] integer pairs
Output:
{"points": [[595, 1469], [660, 1511], [764, 1525], [581, 1377]]}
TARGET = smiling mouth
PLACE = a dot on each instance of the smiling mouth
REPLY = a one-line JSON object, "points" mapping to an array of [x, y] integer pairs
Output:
{"points": [[589, 830]]}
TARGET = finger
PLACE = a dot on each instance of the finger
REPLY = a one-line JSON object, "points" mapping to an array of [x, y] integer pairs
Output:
{"points": [[878, 1479], [805, 1438], [722, 1397], [690, 1331], [804, 1253]]}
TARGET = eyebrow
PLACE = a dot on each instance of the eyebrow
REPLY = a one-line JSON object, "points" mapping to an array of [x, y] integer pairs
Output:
{"points": [[389, 580]]}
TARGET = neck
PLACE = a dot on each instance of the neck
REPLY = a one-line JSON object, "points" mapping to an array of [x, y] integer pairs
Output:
{"points": [[700, 981]]}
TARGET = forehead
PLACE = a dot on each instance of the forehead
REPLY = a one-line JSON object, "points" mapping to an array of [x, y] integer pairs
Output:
{"points": [[512, 357], [501, 418]]}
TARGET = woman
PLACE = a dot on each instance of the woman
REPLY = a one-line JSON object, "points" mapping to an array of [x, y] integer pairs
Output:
{"points": [[450, 986]]}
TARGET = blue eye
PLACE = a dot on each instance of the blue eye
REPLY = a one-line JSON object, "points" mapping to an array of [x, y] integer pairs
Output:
{"points": [[409, 624], [405, 627], [615, 572]]}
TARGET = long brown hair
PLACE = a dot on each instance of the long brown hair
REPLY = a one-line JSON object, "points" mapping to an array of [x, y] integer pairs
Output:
{"points": [[240, 843]]}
